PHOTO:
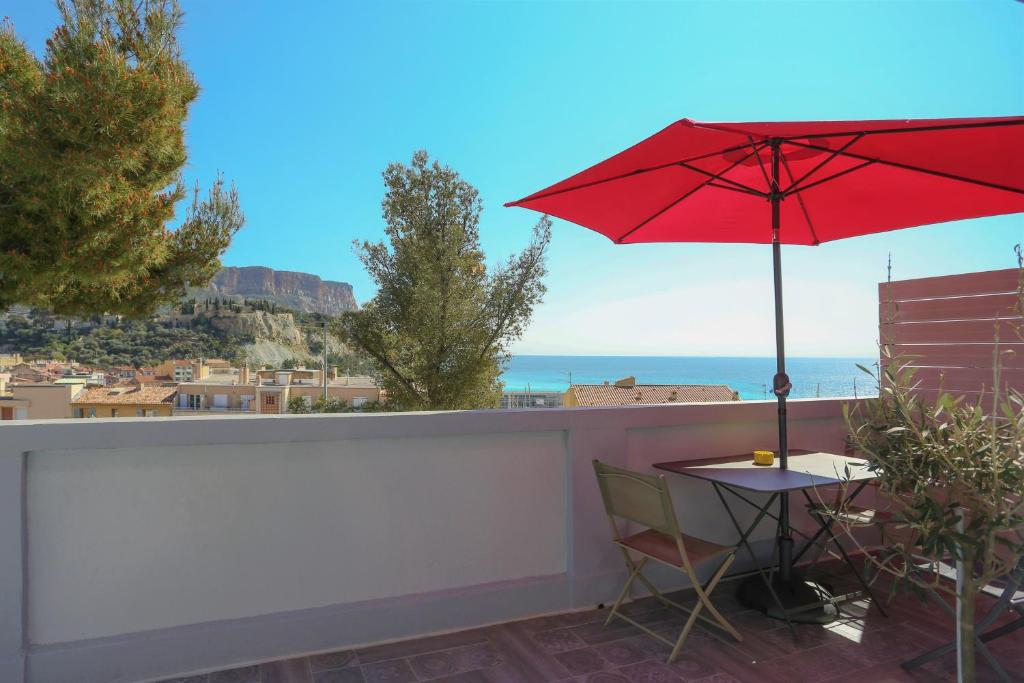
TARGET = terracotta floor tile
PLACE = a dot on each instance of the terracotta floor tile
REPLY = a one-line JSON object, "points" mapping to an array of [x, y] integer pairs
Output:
{"points": [[244, 674], [622, 652], [332, 660], [650, 672], [352, 674], [415, 646], [558, 640], [388, 671], [286, 671], [582, 661]]}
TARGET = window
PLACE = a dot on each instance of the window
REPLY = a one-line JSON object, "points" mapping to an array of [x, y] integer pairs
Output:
{"points": [[220, 400], [150, 413], [139, 412], [92, 412], [78, 412], [270, 399], [113, 412]]}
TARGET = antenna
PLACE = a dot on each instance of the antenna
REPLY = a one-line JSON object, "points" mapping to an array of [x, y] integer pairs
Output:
{"points": [[888, 276]]}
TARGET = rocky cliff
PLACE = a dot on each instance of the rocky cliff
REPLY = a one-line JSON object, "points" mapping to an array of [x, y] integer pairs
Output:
{"points": [[298, 291], [275, 338]]}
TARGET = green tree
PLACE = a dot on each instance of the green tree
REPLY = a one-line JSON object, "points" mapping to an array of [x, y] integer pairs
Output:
{"points": [[440, 325], [91, 152], [330, 405], [299, 406]]}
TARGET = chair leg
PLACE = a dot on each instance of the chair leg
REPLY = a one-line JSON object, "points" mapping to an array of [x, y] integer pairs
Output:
{"points": [[634, 568], [704, 600], [705, 593], [685, 632]]}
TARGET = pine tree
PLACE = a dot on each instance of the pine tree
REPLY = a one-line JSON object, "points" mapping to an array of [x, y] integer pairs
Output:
{"points": [[91, 152], [440, 325]]}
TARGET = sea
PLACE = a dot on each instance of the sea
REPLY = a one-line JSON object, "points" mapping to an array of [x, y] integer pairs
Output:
{"points": [[751, 377]]}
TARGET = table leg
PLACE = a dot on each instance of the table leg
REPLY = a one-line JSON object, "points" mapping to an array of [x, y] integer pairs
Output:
{"points": [[744, 535], [827, 527]]}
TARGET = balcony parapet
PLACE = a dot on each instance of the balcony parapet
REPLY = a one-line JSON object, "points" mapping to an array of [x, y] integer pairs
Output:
{"points": [[148, 547]]}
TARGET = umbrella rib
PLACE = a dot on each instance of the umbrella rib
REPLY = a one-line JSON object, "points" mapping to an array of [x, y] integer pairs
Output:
{"points": [[796, 184], [688, 193], [718, 176], [744, 190], [909, 167], [760, 162], [628, 174], [834, 176], [800, 201]]}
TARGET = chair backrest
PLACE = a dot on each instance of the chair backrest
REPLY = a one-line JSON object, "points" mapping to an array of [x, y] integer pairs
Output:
{"points": [[640, 498]]}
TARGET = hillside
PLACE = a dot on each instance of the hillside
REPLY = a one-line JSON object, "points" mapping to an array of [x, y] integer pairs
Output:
{"points": [[237, 332], [300, 292]]}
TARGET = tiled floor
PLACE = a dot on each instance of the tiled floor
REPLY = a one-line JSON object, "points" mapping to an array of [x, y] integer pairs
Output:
{"points": [[863, 647]]}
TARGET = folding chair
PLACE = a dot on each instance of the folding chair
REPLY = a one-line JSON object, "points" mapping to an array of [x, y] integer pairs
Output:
{"points": [[644, 499]]}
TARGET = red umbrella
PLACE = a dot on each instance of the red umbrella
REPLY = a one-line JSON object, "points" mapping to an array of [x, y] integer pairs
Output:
{"points": [[801, 182]]}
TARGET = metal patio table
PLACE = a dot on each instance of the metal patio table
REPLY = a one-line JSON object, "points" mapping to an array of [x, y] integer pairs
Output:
{"points": [[807, 470]]}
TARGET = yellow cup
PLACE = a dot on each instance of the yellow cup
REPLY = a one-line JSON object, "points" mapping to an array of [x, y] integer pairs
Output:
{"points": [[764, 457]]}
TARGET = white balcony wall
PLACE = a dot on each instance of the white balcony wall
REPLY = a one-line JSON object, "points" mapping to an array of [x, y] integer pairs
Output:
{"points": [[134, 549]]}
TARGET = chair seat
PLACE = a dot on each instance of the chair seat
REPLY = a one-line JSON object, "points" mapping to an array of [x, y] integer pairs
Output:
{"points": [[854, 515], [663, 547]]}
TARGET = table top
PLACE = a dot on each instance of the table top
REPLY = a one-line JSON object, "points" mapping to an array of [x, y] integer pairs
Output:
{"points": [[806, 470]]}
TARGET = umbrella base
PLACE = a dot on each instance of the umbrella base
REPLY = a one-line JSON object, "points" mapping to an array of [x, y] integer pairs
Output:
{"points": [[805, 601]]}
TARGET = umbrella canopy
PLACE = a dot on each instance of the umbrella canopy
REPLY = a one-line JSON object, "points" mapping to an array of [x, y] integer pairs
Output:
{"points": [[711, 182]]}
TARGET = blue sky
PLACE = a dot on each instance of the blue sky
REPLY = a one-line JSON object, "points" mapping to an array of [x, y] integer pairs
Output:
{"points": [[304, 104]]}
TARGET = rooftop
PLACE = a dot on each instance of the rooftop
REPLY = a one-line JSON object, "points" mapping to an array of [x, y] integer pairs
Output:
{"points": [[127, 395], [593, 395]]}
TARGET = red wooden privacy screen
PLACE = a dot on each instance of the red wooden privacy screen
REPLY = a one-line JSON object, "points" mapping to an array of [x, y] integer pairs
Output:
{"points": [[948, 327]]}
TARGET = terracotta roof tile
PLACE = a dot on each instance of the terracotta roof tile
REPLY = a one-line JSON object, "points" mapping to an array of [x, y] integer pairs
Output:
{"points": [[122, 395], [592, 395]]}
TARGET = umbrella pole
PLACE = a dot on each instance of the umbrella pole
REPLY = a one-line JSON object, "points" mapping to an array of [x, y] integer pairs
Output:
{"points": [[789, 596], [780, 383]]}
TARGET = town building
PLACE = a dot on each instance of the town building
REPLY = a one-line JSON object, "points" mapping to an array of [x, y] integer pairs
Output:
{"points": [[626, 392], [39, 401], [269, 391], [134, 400], [8, 360], [274, 395], [532, 399], [215, 394]]}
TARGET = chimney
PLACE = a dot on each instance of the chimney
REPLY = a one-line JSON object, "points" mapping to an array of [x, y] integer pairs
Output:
{"points": [[243, 374], [334, 372]]}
